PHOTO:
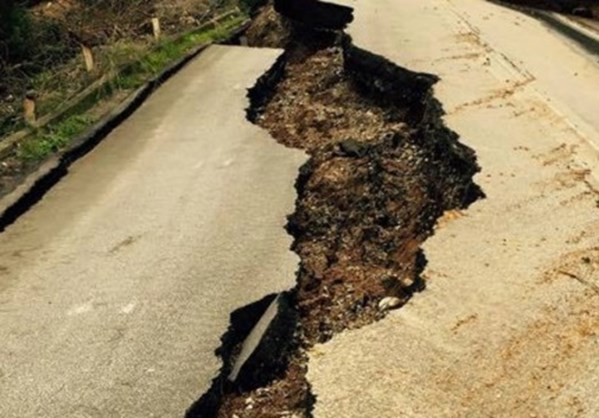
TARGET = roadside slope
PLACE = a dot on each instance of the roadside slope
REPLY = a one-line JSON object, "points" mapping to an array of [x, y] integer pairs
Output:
{"points": [[508, 324], [115, 288]]}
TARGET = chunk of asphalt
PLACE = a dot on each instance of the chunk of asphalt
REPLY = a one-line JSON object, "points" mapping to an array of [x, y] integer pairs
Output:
{"points": [[265, 352], [253, 340], [316, 14], [265, 332]]}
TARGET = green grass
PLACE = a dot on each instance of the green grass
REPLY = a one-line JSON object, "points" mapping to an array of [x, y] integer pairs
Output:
{"points": [[51, 139], [54, 137], [170, 50]]}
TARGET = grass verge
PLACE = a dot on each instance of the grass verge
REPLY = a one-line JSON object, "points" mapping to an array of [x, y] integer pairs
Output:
{"points": [[56, 136]]}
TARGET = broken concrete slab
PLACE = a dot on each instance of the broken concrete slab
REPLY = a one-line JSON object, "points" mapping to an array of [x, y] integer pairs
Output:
{"points": [[265, 352], [316, 14], [255, 350]]}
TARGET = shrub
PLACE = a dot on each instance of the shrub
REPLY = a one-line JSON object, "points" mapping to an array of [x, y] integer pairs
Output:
{"points": [[29, 45]]}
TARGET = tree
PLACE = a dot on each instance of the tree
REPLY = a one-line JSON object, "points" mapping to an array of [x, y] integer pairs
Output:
{"points": [[15, 31]]}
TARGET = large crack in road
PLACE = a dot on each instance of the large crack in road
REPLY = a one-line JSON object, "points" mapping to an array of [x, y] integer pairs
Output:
{"points": [[383, 168]]}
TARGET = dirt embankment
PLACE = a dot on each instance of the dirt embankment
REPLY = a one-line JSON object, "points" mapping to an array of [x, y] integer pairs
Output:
{"points": [[382, 169]]}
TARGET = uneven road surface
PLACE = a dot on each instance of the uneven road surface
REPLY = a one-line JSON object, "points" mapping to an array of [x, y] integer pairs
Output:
{"points": [[116, 287], [509, 323]]}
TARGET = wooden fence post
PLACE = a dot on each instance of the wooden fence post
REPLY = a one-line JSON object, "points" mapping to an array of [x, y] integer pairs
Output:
{"points": [[156, 28], [88, 57], [29, 113]]}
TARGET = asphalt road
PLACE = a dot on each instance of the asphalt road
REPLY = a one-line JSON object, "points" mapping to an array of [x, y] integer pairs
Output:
{"points": [[509, 323], [116, 287]]}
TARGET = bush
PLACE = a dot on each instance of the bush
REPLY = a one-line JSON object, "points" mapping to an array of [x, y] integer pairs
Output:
{"points": [[23, 37], [29, 45], [251, 6], [15, 29]]}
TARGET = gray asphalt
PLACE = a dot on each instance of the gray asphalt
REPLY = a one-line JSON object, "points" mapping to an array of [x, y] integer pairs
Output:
{"points": [[509, 323], [116, 287]]}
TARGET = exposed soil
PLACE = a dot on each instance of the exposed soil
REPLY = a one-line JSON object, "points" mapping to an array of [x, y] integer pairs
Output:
{"points": [[383, 169], [268, 29], [288, 396], [317, 104]]}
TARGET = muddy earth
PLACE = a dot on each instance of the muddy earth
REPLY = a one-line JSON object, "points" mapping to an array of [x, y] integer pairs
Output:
{"points": [[383, 168]]}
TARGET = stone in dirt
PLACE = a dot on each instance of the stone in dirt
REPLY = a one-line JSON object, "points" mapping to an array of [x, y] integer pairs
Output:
{"points": [[353, 148], [389, 303]]}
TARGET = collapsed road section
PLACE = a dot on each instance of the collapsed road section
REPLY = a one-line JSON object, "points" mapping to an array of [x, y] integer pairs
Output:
{"points": [[383, 168]]}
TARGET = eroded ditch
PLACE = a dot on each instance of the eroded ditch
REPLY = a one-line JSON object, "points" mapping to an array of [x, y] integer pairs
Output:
{"points": [[382, 169]]}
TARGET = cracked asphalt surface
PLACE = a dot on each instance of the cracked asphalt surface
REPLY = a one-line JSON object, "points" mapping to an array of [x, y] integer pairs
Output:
{"points": [[116, 287]]}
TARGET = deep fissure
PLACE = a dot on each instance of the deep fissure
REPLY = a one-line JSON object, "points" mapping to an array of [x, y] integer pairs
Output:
{"points": [[383, 168]]}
